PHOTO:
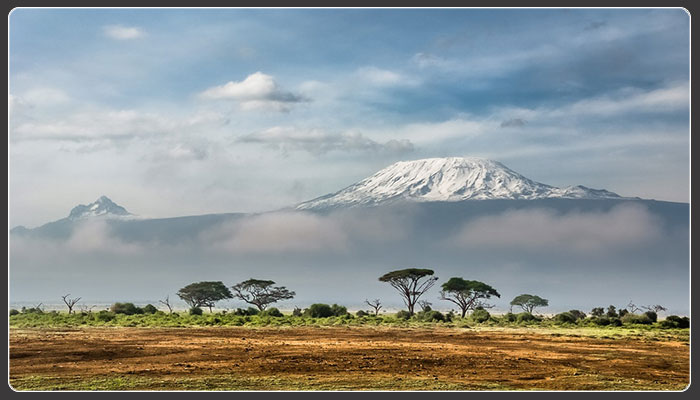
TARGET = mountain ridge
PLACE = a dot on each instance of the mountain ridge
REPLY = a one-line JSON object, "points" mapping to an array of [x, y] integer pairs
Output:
{"points": [[448, 179]]}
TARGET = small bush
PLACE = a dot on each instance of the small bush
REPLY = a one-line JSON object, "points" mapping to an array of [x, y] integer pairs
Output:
{"points": [[430, 316], [510, 317], [615, 322], [577, 314], [403, 314], [104, 316], [652, 316], [319, 310], [149, 309], [480, 315], [125, 308], [565, 318], [32, 310], [602, 321], [338, 311], [637, 319], [196, 311], [526, 317], [361, 313], [674, 321], [297, 312], [13, 312], [449, 316], [272, 312]]}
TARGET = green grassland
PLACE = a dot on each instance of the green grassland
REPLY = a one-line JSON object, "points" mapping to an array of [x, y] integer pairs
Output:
{"points": [[585, 327]]}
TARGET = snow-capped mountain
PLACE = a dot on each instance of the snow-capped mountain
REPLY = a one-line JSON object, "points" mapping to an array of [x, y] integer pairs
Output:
{"points": [[102, 207], [448, 179]]}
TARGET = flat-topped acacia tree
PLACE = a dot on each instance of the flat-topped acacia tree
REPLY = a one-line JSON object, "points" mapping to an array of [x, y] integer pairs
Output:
{"points": [[261, 293], [411, 283], [467, 295], [528, 302], [204, 294]]}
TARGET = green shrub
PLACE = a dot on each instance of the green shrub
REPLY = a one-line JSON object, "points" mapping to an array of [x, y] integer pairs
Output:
{"points": [[196, 311], [319, 310], [565, 318], [449, 316], [577, 314], [403, 314], [149, 309], [361, 313], [271, 312], [615, 322], [429, 316], [602, 321], [480, 315], [104, 316], [338, 311], [297, 312], [32, 310], [674, 321], [510, 317], [125, 308], [13, 312], [525, 317], [637, 319], [652, 316]]}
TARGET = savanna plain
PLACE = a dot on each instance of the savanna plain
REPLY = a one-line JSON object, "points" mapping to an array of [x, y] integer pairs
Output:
{"points": [[223, 352]]}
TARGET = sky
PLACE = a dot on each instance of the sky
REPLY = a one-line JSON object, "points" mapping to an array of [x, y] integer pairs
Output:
{"points": [[174, 112]]}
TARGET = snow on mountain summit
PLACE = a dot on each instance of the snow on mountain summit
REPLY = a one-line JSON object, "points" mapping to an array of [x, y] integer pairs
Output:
{"points": [[102, 207], [447, 179]]}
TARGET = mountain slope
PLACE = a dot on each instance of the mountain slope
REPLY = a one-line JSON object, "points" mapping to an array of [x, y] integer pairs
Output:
{"points": [[448, 179], [102, 207]]}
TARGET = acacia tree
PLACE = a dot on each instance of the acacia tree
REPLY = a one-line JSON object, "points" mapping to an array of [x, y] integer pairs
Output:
{"points": [[376, 304], [261, 293], [70, 302], [204, 294], [411, 283], [529, 302], [467, 295]]}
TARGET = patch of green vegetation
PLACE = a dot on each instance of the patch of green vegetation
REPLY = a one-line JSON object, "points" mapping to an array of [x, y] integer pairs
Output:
{"points": [[583, 327]]}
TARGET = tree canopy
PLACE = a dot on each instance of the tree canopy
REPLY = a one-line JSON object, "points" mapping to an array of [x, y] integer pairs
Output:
{"points": [[466, 294], [261, 293], [411, 283], [204, 294], [529, 302]]}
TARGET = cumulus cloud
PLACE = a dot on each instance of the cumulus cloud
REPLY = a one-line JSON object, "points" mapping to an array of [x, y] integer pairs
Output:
{"points": [[278, 232], [256, 91], [580, 232], [318, 141], [121, 32]]}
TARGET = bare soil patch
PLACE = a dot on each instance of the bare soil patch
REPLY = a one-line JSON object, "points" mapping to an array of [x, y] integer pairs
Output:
{"points": [[339, 358]]}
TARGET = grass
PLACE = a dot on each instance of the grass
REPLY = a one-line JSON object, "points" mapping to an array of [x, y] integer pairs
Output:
{"points": [[235, 382], [160, 319]]}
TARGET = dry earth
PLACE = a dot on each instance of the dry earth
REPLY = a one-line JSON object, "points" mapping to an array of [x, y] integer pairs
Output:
{"points": [[339, 358]]}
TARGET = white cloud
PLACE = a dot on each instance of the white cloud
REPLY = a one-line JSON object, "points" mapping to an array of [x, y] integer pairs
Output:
{"points": [[45, 96], [383, 77], [278, 232], [111, 124], [120, 32], [256, 91], [546, 230], [318, 141]]}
